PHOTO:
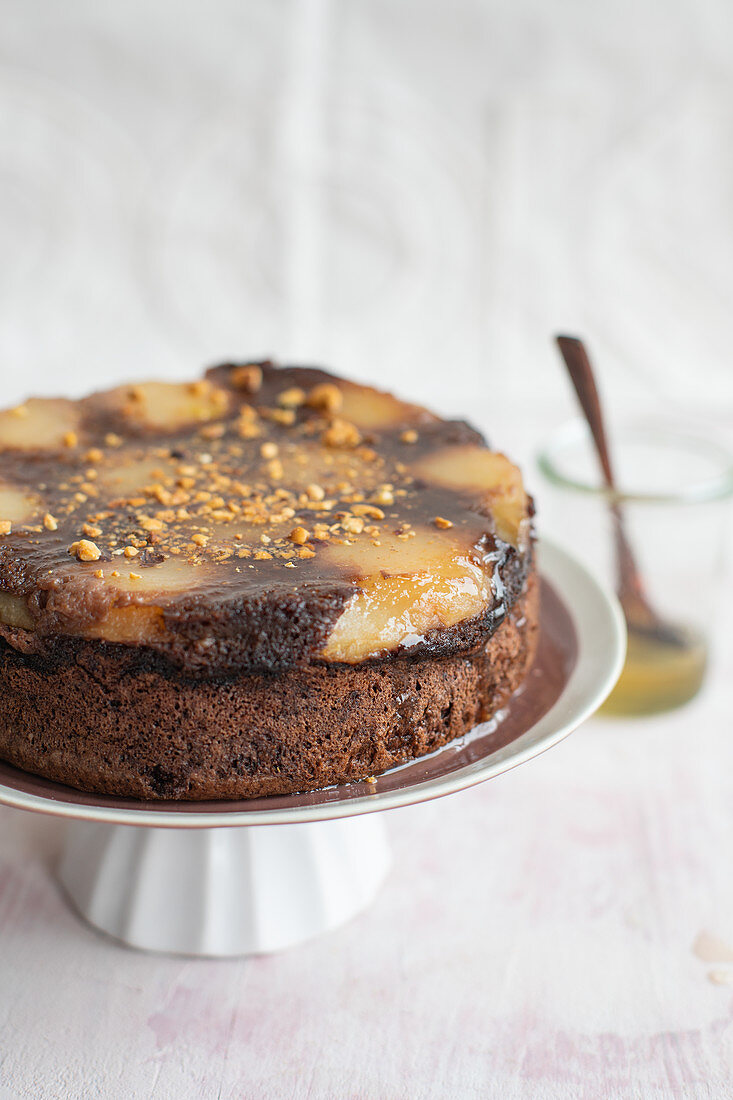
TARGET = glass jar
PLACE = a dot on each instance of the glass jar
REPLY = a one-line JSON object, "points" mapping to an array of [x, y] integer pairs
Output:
{"points": [[673, 494]]}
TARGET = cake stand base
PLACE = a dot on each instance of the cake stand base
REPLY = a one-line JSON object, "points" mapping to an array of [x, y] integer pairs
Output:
{"points": [[225, 891]]}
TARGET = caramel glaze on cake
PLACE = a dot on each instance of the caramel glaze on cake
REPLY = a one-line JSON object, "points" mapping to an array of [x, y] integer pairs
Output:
{"points": [[266, 581]]}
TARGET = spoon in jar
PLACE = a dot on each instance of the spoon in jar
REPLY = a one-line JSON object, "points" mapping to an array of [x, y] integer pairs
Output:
{"points": [[641, 618]]}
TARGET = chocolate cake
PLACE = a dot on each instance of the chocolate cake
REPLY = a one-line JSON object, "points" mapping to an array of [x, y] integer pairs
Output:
{"points": [[266, 581]]}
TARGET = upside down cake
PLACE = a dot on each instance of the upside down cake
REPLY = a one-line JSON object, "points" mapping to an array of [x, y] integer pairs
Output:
{"points": [[266, 581]]}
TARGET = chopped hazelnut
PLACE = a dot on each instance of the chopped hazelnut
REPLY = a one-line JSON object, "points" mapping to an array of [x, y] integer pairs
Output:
{"points": [[290, 399], [409, 436], [262, 555], [315, 492], [50, 522], [353, 524], [368, 510], [93, 455], [99, 574], [148, 523], [85, 550], [247, 378], [383, 496], [298, 535], [325, 396], [71, 439], [213, 431], [306, 552], [90, 530], [136, 576], [113, 440], [341, 434], [131, 551], [269, 450], [439, 521], [6, 527], [200, 540]]}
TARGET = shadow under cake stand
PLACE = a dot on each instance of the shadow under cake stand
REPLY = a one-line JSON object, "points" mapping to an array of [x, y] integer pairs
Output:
{"points": [[232, 878]]}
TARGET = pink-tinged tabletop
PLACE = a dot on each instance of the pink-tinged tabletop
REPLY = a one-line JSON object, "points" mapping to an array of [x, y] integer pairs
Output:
{"points": [[565, 930]]}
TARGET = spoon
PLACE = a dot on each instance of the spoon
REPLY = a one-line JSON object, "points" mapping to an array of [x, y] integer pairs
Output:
{"points": [[641, 618]]}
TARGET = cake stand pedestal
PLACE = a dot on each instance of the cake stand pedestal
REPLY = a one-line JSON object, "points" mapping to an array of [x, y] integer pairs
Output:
{"points": [[234, 878], [228, 891]]}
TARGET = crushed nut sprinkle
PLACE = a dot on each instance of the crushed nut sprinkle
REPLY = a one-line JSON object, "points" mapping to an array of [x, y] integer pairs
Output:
{"points": [[6, 527], [315, 492], [442, 523], [131, 551], [269, 450], [325, 396], [291, 398], [368, 510], [299, 535], [71, 439], [50, 522], [85, 550], [409, 436], [247, 378], [340, 433], [91, 530]]}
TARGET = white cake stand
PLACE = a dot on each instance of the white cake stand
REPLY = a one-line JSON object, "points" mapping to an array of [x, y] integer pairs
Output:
{"points": [[250, 877]]}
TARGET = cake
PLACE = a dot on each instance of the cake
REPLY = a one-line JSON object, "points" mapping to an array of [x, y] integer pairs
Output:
{"points": [[270, 580]]}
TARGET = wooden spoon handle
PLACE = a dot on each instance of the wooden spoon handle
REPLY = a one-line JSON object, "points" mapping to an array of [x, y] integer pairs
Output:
{"points": [[581, 374]]}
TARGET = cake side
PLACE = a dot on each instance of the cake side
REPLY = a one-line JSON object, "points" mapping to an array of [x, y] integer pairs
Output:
{"points": [[110, 719]]}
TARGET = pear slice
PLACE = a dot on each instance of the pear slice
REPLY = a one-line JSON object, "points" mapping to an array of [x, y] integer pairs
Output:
{"points": [[370, 409], [167, 405], [405, 588], [14, 611], [17, 506], [130, 478], [491, 475], [40, 424], [135, 620]]}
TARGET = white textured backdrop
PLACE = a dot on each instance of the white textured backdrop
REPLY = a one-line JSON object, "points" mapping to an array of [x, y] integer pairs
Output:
{"points": [[418, 193]]}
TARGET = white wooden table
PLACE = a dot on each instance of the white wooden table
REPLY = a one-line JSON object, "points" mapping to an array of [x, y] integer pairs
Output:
{"points": [[419, 194]]}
